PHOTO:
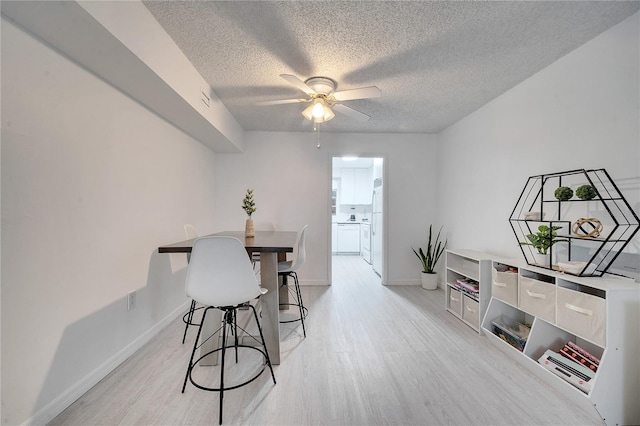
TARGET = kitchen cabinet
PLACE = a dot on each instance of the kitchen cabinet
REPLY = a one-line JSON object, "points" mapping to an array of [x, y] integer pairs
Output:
{"points": [[356, 186], [348, 238]]}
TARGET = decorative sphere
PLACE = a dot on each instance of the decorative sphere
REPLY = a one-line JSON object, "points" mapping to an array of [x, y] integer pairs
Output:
{"points": [[563, 193], [589, 227], [586, 192]]}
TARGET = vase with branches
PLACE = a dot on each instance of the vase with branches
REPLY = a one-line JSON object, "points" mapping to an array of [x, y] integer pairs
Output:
{"points": [[249, 207]]}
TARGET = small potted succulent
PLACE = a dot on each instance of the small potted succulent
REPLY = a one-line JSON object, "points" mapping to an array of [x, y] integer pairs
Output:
{"points": [[429, 260], [563, 193], [249, 206], [542, 241], [586, 192]]}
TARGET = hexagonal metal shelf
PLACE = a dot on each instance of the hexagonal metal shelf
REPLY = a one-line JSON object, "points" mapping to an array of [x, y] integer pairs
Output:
{"points": [[584, 249]]}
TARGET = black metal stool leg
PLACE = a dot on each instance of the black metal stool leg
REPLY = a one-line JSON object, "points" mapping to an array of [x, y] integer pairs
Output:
{"points": [[300, 305], [224, 346], [192, 309], [193, 352], [235, 331], [264, 344]]}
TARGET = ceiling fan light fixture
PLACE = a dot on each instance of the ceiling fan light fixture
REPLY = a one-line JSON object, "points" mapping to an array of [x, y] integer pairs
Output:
{"points": [[318, 111]]}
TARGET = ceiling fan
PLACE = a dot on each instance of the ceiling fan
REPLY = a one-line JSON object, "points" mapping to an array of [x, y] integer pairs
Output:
{"points": [[323, 97]]}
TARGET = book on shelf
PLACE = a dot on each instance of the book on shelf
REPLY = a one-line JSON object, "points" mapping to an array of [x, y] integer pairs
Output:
{"points": [[570, 371], [468, 284], [584, 353], [570, 353]]}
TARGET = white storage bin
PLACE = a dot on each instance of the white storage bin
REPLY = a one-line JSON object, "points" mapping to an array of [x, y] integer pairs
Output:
{"points": [[538, 298], [455, 301], [471, 311], [582, 314], [504, 286]]}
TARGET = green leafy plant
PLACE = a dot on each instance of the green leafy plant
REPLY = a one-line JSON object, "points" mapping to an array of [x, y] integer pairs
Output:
{"points": [[586, 192], [543, 239], [248, 205], [563, 193], [434, 251]]}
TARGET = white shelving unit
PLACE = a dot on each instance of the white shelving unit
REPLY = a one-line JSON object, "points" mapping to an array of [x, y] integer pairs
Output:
{"points": [[601, 315], [468, 264]]}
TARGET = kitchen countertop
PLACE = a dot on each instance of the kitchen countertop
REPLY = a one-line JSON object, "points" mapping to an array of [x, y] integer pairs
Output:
{"points": [[350, 222]]}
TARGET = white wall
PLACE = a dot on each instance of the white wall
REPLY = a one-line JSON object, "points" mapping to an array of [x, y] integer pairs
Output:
{"points": [[292, 184], [580, 112], [92, 184]]}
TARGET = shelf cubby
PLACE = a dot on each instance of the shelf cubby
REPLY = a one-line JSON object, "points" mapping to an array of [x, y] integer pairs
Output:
{"points": [[468, 264]]}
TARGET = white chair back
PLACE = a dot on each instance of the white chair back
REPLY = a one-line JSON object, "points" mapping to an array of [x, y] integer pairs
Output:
{"points": [[220, 272], [302, 251], [190, 231]]}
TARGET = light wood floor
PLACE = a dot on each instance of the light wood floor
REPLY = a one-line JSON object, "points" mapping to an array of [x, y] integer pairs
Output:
{"points": [[373, 355]]}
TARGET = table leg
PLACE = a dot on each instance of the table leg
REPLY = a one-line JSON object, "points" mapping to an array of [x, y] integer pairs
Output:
{"points": [[270, 305]]}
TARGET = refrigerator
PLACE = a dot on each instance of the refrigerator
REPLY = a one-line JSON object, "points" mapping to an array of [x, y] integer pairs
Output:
{"points": [[376, 227]]}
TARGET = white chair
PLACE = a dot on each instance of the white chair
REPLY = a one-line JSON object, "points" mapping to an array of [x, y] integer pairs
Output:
{"points": [[288, 269], [220, 276], [190, 233]]}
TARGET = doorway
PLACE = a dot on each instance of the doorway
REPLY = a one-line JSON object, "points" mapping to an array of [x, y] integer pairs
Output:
{"points": [[357, 212]]}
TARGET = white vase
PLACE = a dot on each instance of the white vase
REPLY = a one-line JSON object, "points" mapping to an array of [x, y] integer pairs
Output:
{"points": [[249, 230], [429, 281]]}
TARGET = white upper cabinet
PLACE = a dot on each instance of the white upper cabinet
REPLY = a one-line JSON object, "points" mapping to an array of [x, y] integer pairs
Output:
{"points": [[356, 186]]}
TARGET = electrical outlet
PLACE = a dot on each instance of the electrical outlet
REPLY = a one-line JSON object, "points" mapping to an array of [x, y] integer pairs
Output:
{"points": [[131, 300]]}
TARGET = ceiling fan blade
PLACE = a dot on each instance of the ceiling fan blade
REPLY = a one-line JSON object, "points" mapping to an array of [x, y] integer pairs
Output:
{"points": [[360, 116], [362, 93], [298, 83], [281, 101]]}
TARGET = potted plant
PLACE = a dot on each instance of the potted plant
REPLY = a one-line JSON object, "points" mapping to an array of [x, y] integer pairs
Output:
{"points": [[249, 206], [429, 260], [542, 241]]}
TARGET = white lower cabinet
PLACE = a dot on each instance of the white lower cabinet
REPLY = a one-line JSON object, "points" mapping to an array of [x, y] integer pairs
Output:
{"points": [[537, 313], [348, 236]]}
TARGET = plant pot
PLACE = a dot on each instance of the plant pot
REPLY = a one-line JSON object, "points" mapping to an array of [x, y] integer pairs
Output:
{"points": [[429, 281], [249, 230], [541, 259]]}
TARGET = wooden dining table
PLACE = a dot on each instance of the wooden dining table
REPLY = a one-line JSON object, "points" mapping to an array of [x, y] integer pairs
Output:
{"points": [[270, 244]]}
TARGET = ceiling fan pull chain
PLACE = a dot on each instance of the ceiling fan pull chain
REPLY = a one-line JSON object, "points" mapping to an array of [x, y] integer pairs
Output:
{"points": [[318, 133]]}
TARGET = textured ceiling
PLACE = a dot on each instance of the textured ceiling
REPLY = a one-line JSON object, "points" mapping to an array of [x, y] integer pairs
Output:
{"points": [[435, 62]]}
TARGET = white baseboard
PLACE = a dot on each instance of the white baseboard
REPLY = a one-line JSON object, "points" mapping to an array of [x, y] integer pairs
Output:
{"points": [[59, 404], [313, 282], [405, 282]]}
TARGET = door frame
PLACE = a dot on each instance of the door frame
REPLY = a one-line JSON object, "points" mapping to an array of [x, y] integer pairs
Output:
{"points": [[385, 210]]}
